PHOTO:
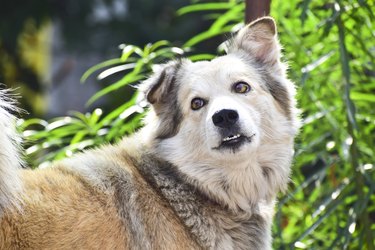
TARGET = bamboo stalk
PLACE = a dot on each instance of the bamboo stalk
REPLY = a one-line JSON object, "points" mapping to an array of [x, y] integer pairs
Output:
{"points": [[256, 8]]}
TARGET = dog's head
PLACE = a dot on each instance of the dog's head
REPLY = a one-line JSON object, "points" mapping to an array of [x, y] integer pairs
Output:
{"points": [[220, 121]]}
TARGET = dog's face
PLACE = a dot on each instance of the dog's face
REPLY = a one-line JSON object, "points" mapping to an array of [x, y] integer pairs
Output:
{"points": [[221, 104], [234, 112]]}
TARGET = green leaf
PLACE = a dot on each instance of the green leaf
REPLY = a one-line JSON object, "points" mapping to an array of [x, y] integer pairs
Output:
{"points": [[201, 57], [364, 97], [113, 70], [127, 51], [206, 35], [204, 7], [234, 14], [129, 78], [101, 65], [159, 44], [78, 137], [117, 112]]}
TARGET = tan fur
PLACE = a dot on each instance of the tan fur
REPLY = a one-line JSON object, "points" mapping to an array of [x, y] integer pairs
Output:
{"points": [[61, 210]]}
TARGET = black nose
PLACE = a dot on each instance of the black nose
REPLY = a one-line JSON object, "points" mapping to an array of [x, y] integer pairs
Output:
{"points": [[225, 118]]}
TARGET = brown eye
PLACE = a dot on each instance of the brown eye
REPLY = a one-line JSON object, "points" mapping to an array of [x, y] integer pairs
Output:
{"points": [[197, 103], [241, 87]]}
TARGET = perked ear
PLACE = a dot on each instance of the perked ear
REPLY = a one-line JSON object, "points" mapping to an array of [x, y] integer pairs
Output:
{"points": [[259, 40], [157, 87]]}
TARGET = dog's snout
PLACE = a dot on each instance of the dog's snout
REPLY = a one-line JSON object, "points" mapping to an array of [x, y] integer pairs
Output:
{"points": [[225, 118]]}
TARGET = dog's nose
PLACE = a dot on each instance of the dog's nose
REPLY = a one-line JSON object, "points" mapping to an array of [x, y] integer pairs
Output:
{"points": [[225, 118]]}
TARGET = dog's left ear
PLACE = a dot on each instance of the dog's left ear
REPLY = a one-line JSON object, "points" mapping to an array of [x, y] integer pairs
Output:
{"points": [[259, 40]]}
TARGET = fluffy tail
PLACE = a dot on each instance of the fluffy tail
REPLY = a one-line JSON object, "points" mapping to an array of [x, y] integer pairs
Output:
{"points": [[10, 160]]}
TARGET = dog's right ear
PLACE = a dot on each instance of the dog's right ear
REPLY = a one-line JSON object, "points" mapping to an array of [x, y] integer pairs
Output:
{"points": [[157, 87], [160, 90]]}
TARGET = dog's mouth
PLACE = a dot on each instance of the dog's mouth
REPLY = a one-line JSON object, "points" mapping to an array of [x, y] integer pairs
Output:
{"points": [[234, 141]]}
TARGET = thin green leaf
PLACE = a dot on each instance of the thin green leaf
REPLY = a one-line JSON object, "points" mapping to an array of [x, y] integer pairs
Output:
{"points": [[206, 35], [234, 14], [117, 112], [127, 51], [129, 78], [114, 70], [104, 64], [364, 97], [159, 44], [78, 137], [204, 7], [201, 57]]}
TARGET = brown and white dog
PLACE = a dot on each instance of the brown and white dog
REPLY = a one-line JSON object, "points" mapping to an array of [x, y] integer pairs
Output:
{"points": [[203, 173]]}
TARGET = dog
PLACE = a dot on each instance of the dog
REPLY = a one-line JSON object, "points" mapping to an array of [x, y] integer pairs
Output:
{"points": [[203, 172]]}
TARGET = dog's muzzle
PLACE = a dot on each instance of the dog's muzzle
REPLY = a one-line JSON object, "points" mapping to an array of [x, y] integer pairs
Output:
{"points": [[226, 120]]}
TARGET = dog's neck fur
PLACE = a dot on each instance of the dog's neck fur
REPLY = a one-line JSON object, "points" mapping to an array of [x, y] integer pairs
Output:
{"points": [[228, 186], [213, 225], [238, 186]]}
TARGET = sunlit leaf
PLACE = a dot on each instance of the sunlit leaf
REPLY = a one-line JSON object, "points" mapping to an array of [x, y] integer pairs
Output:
{"points": [[356, 96], [99, 66], [206, 35], [205, 7], [131, 77]]}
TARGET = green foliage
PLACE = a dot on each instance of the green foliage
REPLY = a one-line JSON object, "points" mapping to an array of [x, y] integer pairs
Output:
{"points": [[331, 60], [330, 50], [82, 28], [61, 137]]}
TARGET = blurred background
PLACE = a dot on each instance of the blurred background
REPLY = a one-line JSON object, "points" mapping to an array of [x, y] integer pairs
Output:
{"points": [[48, 47]]}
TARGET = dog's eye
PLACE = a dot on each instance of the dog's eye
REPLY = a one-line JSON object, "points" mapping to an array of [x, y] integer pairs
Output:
{"points": [[241, 87], [197, 103]]}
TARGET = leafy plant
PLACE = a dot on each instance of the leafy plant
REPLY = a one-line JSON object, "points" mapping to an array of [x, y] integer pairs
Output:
{"points": [[333, 177], [330, 50], [61, 137]]}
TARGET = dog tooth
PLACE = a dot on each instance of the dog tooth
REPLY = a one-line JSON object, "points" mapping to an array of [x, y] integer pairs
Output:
{"points": [[231, 137]]}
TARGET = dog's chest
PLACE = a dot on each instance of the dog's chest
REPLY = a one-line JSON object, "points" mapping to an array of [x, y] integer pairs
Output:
{"points": [[213, 226]]}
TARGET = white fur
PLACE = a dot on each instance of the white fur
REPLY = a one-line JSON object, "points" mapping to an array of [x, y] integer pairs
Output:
{"points": [[233, 178], [10, 183]]}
